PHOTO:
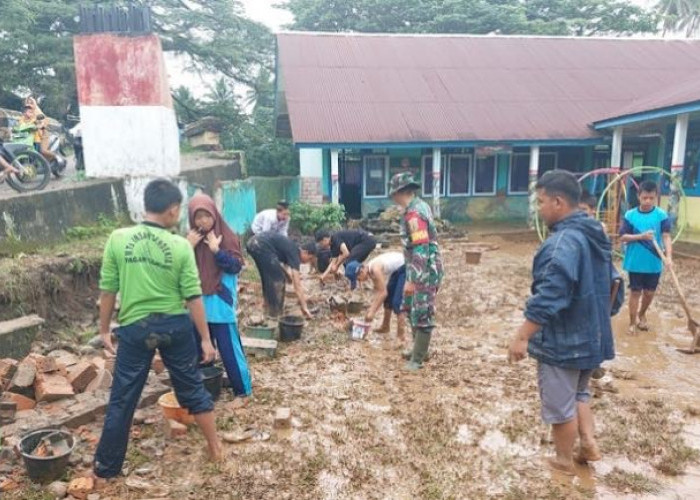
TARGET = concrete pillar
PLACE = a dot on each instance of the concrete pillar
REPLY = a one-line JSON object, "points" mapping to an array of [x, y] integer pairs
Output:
{"points": [[534, 170], [335, 193], [311, 175], [680, 138], [616, 149], [437, 162]]}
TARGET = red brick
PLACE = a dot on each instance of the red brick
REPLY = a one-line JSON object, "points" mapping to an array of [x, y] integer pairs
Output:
{"points": [[23, 402], [81, 375], [44, 364], [51, 387], [173, 429], [81, 487], [8, 367], [98, 362], [23, 379], [103, 382]]}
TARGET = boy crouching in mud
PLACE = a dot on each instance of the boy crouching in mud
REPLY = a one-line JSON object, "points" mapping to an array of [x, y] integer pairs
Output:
{"points": [[567, 327]]}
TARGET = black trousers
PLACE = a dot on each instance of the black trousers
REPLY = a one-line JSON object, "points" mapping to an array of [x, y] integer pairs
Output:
{"points": [[361, 251], [273, 278]]}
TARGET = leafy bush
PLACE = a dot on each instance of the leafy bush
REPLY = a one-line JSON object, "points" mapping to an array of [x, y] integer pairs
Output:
{"points": [[310, 218]]}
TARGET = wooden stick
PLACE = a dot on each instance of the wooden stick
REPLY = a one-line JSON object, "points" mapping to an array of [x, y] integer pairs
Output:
{"points": [[692, 324]]}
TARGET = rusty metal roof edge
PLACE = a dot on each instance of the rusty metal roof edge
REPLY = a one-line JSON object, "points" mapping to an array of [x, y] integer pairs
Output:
{"points": [[589, 141], [652, 114], [352, 34]]}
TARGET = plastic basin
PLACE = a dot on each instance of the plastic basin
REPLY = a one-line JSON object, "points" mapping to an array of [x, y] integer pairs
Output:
{"points": [[172, 410]]}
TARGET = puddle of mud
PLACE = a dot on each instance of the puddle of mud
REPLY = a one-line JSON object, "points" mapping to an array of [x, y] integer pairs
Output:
{"points": [[656, 365]]}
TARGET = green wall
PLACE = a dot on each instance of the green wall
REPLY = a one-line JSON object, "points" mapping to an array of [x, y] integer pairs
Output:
{"points": [[269, 190]]}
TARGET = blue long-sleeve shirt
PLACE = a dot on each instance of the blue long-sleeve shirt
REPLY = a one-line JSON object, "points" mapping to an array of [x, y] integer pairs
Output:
{"points": [[221, 306]]}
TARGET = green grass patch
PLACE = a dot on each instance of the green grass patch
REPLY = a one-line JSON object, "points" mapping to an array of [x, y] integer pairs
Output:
{"points": [[643, 431], [631, 482]]}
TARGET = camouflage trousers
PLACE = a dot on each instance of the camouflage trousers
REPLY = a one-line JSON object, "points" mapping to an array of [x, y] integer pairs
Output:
{"points": [[420, 306]]}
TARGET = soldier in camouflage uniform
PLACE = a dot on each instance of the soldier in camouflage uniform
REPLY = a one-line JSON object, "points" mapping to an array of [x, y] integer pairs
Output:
{"points": [[424, 270]]}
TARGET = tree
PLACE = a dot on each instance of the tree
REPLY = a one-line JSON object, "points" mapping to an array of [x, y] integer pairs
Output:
{"points": [[36, 51], [187, 107], [680, 16], [550, 17]]}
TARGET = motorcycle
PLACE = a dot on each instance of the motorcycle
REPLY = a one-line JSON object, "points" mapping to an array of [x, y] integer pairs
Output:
{"points": [[75, 135], [34, 171]]}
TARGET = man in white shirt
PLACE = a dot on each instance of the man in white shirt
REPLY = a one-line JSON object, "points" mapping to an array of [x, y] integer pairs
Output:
{"points": [[388, 274], [273, 219]]}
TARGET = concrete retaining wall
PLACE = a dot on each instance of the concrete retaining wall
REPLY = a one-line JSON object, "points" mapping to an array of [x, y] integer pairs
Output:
{"points": [[45, 216], [270, 190]]}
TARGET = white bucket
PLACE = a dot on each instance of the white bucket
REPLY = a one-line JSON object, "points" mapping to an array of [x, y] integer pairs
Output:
{"points": [[360, 329]]}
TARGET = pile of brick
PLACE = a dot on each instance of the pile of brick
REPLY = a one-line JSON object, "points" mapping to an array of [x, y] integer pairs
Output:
{"points": [[40, 379]]}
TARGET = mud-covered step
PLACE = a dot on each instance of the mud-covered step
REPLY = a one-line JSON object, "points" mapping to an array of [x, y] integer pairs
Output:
{"points": [[17, 335]]}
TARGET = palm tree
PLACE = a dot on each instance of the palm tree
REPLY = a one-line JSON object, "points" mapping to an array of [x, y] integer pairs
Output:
{"points": [[680, 16], [260, 94], [221, 93]]}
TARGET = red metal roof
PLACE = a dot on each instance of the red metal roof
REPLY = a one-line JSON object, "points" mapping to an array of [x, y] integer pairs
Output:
{"points": [[350, 88], [682, 92]]}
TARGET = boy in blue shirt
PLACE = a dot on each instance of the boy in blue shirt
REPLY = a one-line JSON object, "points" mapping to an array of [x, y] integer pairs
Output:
{"points": [[640, 227]]}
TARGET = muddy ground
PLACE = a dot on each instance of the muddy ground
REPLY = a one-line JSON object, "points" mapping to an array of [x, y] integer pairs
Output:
{"points": [[466, 426]]}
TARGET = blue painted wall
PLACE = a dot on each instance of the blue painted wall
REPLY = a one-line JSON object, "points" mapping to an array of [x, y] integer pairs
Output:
{"points": [[238, 204]]}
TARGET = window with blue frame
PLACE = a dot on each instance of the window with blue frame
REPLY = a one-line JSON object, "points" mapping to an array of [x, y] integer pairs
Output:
{"points": [[376, 172]]}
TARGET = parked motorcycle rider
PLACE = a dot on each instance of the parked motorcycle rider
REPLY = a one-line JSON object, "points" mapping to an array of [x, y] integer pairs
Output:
{"points": [[33, 117]]}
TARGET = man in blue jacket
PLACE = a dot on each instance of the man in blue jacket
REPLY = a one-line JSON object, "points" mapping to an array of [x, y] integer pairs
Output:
{"points": [[567, 327]]}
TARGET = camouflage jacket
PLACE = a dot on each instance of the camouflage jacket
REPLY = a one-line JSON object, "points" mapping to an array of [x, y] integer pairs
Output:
{"points": [[421, 248]]}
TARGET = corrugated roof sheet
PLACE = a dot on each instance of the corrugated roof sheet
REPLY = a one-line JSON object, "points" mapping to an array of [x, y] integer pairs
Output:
{"points": [[682, 92], [343, 89]]}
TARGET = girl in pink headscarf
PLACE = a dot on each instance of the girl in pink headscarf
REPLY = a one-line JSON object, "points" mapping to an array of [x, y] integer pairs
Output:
{"points": [[219, 260]]}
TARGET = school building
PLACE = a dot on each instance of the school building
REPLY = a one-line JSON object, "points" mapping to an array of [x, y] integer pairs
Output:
{"points": [[479, 118]]}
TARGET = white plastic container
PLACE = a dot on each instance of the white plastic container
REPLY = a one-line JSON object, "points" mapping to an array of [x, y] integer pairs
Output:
{"points": [[360, 329]]}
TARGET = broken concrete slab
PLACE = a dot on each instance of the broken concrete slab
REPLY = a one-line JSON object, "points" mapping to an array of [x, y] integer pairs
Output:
{"points": [[44, 364], [8, 409], [283, 418], [64, 358], [259, 347], [103, 381], [81, 375], [23, 380], [17, 335]]}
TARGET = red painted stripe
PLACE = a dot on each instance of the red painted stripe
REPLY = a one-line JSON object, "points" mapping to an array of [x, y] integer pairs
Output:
{"points": [[114, 70]]}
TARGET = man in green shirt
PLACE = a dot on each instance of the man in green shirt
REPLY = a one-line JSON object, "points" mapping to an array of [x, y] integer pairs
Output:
{"points": [[155, 272]]}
